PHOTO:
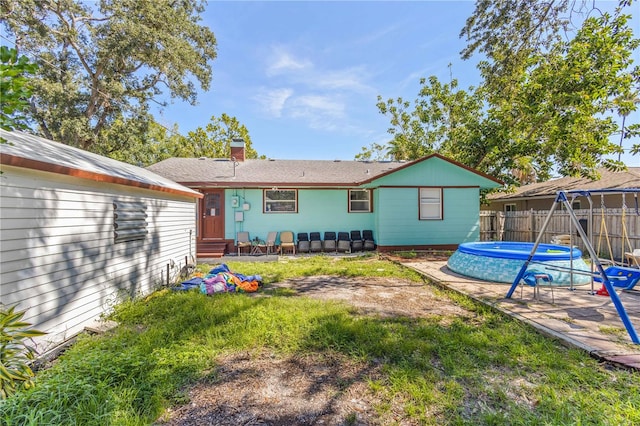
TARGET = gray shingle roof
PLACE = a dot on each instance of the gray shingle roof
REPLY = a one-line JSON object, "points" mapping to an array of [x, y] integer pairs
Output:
{"points": [[608, 180], [195, 171]]}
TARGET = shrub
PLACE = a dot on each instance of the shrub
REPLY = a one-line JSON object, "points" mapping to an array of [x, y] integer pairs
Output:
{"points": [[15, 353]]}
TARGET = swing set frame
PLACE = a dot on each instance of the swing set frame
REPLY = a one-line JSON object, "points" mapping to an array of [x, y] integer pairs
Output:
{"points": [[599, 272]]}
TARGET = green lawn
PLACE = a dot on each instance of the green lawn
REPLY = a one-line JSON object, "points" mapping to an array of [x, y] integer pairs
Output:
{"points": [[441, 370]]}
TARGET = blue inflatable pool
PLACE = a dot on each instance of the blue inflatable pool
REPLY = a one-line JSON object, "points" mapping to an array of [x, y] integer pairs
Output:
{"points": [[501, 261]]}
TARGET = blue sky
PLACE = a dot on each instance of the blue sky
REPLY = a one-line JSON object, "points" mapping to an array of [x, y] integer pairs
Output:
{"points": [[304, 77]]}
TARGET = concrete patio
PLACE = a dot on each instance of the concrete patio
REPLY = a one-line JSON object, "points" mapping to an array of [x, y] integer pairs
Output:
{"points": [[576, 317]]}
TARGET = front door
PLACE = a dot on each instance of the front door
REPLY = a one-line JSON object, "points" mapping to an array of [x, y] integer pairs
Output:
{"points": [[212, 214]]}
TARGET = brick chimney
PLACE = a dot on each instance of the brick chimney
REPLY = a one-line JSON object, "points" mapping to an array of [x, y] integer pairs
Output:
{"points": [[237, 149]]}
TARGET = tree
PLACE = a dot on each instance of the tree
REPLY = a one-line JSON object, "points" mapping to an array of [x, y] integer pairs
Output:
{"points": [[442, 118], [625, 105], [374, 152], [150, 145], [544, 104], [214, 141], [156, 142], [549, 98], [408, 141], [103, 64], [15, 89]]}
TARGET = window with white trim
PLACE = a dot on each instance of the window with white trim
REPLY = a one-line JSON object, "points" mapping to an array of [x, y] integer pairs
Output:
{"points": [[430, 203], [359, 201], [509, 208], [280, 201]]}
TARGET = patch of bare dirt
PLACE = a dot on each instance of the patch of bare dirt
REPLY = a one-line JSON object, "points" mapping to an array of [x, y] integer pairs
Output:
{"points": [[320, 389], [376, 296], [312, 390]]}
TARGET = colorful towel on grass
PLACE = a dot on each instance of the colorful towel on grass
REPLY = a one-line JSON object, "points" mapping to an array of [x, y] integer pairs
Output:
{"points": [[189, 284], [220, 280]]}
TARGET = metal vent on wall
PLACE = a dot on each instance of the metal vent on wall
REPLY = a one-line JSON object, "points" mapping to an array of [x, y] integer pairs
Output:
{"points": [[129, 221]]}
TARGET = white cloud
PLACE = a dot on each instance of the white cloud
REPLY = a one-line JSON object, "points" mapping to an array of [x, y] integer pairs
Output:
{"points": [[320, 112], [324, 104], [283, 62], [273, 100], [287, 65], [317, 96], [347, 79]]}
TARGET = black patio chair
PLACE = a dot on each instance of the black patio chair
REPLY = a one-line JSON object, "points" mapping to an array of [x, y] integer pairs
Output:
{"points": [[356, 241], [315, 242], [344, 242], [329, 243], [303, 242], [369, 242]]}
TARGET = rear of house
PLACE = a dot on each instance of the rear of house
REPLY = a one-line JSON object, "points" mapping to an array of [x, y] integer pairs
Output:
{"points": [[79, 232], [432, 202]]}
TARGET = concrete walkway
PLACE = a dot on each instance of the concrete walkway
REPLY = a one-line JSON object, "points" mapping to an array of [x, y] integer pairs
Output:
{"points": [[578, 318]]}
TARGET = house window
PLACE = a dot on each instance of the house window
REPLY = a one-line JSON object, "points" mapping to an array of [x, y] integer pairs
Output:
{"points": [[280, 201], [575, 205], [509, 208], [430, 203], [359, 201], [129, 221]]}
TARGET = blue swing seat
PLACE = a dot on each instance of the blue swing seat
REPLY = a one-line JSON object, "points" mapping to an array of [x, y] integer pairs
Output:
{"points": [[621, 277]]}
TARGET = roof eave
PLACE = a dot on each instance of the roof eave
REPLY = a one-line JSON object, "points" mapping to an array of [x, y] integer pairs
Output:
{"points": [[17, 161]]}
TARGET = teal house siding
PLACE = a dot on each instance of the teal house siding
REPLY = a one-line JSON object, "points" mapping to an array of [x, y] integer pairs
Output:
{"points": [[319, 210], [397, 217], [461, 221], [399, 225], [433, 171]]}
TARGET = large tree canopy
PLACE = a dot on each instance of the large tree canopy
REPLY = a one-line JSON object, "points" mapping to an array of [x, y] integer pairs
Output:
{"points": [[545, 102], [102, 64], [158, 143], [15, 89], [214, 141], [554, 97]]}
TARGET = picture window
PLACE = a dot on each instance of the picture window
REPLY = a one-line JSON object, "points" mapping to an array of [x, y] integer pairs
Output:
{"points": [[280, 201]]}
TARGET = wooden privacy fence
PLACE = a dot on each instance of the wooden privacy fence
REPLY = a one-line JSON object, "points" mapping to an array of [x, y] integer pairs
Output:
{"points": [[525, 226]]}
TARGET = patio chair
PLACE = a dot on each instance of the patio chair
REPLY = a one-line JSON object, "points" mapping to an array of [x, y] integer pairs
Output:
{"points": [[633, 258], [303, 242], [243, 241], [329, 243], [369, 242], [315, 242], [344, 242], [286, 242], [271, 242], [356, 241]]}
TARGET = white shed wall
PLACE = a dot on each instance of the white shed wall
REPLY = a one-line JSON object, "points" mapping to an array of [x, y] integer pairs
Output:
{"points": [[57, 253]]}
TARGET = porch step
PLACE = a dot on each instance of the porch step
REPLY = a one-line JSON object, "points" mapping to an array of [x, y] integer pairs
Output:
{"points": [[211, 249], [203, 255]]}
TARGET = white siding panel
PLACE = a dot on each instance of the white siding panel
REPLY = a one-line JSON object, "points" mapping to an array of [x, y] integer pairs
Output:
{"points": [[57, 251]]}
